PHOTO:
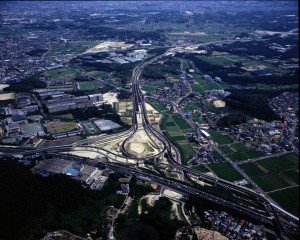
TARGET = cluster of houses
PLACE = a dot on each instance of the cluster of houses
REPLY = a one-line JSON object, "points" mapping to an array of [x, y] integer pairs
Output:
{"points": [[232, 227]]}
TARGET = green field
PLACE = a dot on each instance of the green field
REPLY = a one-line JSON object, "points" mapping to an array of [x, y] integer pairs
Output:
{"points": [[157, 105], [237, 58], [201, 168], [197, 88], [68, 116], [219, 137], [239, 156], [239, 147], [227, 149], [177, 137], [152, 87], [275, 164], [187, 149], [116, 83], [185, 65], [288, 199], [58, 127], [225, 171], [181, 123], [198, 119], [217, 155], [279, 176], [191, 106], [270, 182], [216, 60], [207, 85], [75, 47], [173, 131], [149, 88], [97, 74], [238, 151], [59, 73], [88, 85]]}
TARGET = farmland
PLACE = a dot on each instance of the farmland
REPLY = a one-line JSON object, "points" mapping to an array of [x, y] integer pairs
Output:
{"points": [[219, 137], [243, 155], [175, 134], [180, 122], [157, 105], [288, 199], [225, 171], [278, 176]]}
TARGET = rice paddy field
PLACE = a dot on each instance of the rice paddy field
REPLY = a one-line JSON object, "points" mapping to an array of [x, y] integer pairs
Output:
{"points": [[158, 106], [219, 137], [279, 177], [180, 122], [225, 171], [244, 155], [175, 134], [201, 168]]}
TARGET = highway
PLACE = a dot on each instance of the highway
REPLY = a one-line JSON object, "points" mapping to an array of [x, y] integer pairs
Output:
{"points": [[271, 215], [139, 106]]}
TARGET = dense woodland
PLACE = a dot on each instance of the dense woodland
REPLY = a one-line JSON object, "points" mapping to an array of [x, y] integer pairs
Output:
{"points": [[159, 71], [123, 71], [231, 120], [253, 103], [31, 205], [154, 223], [26, 85]]}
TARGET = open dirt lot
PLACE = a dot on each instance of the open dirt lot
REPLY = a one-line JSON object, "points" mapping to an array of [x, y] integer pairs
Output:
{"points": [[7, 96], [219, 104], [3, 86]]}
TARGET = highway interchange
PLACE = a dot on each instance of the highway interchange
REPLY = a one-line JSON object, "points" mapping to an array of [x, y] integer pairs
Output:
{"points": [[260, 207]]}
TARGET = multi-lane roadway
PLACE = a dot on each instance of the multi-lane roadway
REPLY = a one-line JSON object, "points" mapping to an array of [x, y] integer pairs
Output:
{"points": [[271, 214]]}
